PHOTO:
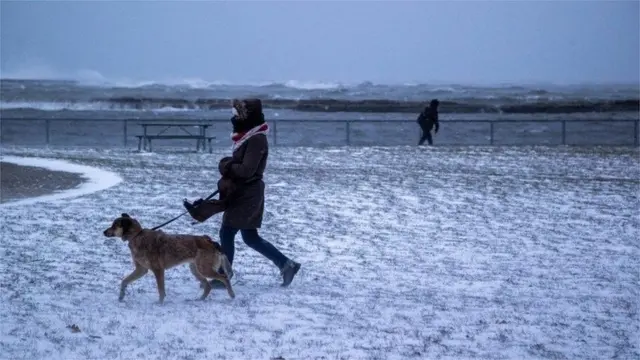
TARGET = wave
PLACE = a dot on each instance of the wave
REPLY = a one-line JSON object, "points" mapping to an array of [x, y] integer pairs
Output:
{"points": [[96, 79], [92, 78], [49, 106], [330, 105]]}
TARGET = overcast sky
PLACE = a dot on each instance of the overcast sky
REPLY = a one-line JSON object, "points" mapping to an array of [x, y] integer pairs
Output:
{"points": [[347, 41]]}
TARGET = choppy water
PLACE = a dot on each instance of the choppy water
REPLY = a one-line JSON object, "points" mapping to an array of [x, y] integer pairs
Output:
{"points": [[25, 104], [24, 97]]}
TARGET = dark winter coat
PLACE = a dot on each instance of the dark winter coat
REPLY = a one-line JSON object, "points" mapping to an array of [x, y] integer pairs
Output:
{"points": [[241, 195], [241, 187], [427, 119], [245, 207]]}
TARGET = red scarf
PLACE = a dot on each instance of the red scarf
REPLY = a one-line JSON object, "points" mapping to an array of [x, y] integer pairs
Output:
{"points": [[239, 138]]}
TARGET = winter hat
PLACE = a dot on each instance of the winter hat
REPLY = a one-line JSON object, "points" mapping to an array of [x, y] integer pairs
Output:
{"points": [[248, 114]]}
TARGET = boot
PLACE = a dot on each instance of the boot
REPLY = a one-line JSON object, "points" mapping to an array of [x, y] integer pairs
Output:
{"points": [[288, 271]]}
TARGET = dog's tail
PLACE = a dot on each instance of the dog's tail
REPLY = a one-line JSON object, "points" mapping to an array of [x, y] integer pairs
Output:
{"points": [[206, 243]]}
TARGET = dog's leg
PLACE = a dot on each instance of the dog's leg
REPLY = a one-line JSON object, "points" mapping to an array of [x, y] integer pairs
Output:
{"points": [[213, 273], [137, 273], [203, 281], [159, 273]]}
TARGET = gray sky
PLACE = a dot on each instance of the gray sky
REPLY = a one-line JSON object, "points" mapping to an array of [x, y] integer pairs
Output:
{"points": [[347, 41]]}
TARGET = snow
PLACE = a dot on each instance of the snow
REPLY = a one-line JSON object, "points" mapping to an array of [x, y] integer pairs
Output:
{"points": [[407, 253], [96, 179]]}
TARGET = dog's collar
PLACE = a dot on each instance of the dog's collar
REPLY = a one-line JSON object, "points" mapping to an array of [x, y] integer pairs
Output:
{"points": [[134, 236]]}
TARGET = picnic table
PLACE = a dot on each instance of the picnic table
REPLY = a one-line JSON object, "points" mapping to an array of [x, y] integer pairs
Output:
{"points": [[162, 132]]}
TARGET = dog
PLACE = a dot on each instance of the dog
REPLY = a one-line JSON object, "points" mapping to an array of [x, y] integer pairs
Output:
{"points": [[158, 251]]}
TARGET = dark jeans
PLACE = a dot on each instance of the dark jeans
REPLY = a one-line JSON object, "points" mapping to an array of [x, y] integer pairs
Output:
{"points": [[426, 135], [254, 241]]}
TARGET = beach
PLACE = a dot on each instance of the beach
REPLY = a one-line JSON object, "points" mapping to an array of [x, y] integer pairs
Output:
{"points": [[19, 182], [406, 253], [513, 233]]}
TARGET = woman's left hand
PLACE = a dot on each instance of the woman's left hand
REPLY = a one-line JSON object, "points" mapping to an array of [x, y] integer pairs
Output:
{"points": [[225, 166]]}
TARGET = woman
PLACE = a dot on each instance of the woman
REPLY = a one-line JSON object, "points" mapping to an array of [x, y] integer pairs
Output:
{"points": [[244, 206]]}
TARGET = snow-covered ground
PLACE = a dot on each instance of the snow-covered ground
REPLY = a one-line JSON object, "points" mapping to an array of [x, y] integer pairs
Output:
{"points": [[407, 253]]}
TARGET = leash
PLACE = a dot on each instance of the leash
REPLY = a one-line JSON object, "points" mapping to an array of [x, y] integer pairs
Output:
{"points": [[184, 213]]}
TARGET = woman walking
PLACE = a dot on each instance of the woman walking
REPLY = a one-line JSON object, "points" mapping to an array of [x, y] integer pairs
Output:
{"points": [[242, 189]]}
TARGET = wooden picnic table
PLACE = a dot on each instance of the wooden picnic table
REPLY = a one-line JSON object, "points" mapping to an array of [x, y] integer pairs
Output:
{"points": [[144, 140]]}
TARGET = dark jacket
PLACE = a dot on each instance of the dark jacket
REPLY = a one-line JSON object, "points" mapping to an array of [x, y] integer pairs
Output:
{"points": [[241, 187], [245, 206], [428, 118]]}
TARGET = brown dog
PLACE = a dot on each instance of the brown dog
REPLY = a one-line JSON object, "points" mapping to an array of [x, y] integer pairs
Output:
{"points": [[157, 251]]}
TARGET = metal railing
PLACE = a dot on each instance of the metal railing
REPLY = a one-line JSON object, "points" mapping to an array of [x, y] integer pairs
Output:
{"points": [[122, 132]]}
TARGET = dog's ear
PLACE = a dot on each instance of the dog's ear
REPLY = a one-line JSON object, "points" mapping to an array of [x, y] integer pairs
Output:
{"points": [[126, 224], [125, 215]]}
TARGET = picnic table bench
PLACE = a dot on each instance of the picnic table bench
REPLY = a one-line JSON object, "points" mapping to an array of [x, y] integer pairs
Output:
{"points": [[144, 140]]}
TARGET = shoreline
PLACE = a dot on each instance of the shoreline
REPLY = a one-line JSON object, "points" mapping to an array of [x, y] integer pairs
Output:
{"points": [[28, 180], [19, 182]]}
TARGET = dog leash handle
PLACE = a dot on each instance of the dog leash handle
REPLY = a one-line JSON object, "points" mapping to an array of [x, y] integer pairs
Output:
{"points": [[184, 213], [207, 198], [248, 181], [212, 194]]}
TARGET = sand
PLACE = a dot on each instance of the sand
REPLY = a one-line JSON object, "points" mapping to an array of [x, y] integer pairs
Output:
{"points": [[18, 182]]}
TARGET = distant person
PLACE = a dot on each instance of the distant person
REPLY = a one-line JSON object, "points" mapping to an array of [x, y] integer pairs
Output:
{"points": [[427, 119]]}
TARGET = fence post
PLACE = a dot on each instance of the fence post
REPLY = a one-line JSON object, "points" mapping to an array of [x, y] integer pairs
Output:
{"points": [[636, 132], [47, 126], [348, 133], [491, 131], [564, 132], [275, 132], [124, 124]]}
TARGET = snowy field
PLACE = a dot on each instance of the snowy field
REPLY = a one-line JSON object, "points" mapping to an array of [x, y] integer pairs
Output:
{"points": [[407, 253]]}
